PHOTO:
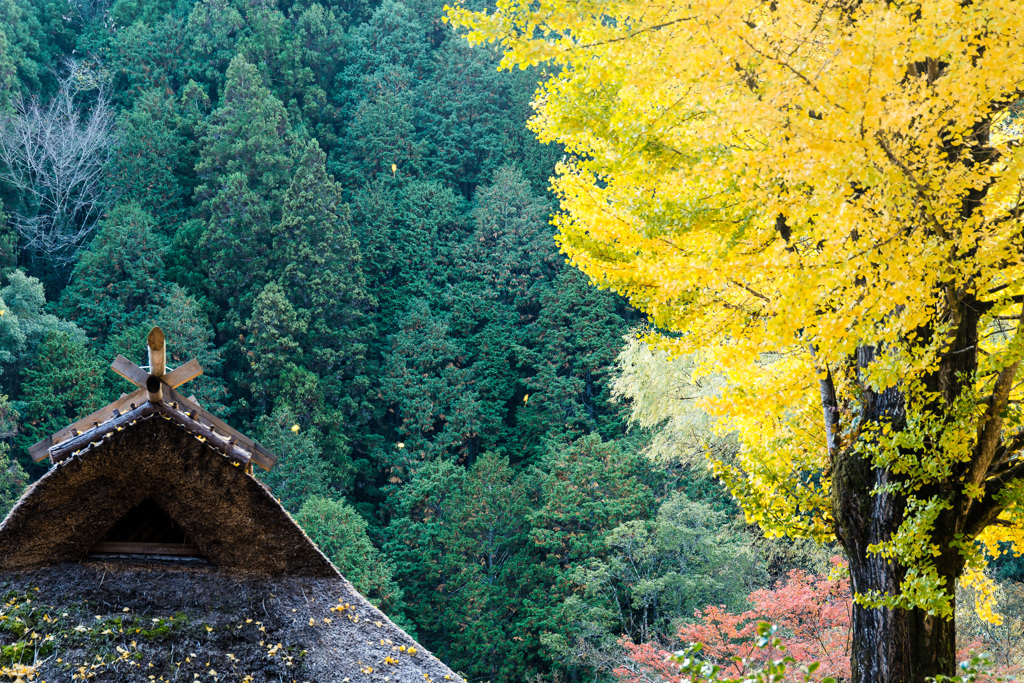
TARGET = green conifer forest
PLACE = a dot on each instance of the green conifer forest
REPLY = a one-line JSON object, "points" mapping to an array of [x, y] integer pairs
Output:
{"points": [[338, 209]]}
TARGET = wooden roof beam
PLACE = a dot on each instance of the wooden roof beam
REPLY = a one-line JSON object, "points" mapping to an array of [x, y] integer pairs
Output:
{"points": [[173, 378], [157, 352], [129, 370], [260, 455], [183, 373], [40, 449]]}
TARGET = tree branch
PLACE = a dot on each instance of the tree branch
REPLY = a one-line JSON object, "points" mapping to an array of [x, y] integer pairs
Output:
{"points": [[988, 507], [991, 425], [638, 32]]}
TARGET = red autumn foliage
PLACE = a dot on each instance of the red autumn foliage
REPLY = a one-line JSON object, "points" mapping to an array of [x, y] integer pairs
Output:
{"points": [[812, 614], [813, 618]]}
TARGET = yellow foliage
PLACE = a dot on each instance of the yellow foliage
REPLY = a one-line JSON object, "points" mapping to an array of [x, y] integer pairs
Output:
{"points": [[809, 192]]}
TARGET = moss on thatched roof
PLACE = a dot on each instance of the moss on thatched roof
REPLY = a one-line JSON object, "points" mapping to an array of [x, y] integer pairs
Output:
{"points": [[112, 621], [268, 607]]}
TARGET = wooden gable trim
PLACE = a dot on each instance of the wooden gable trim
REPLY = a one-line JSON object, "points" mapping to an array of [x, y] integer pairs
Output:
{"points": [[155, 389]]}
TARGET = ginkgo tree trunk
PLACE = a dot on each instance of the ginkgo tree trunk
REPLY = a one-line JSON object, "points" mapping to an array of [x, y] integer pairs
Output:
{"points": [[821, 198]]}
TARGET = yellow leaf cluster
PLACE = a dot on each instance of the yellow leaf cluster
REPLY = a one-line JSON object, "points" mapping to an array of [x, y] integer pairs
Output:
{"points": [[783, 184]]}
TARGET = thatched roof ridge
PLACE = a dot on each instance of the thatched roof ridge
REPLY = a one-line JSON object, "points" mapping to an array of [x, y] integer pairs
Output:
{"points": [[155, 393], [235, 521], [186, 413], [173, 412]]}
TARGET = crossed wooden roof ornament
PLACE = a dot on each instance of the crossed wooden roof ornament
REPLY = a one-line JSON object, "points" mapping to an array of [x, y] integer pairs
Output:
{"points": [[155, 394]]}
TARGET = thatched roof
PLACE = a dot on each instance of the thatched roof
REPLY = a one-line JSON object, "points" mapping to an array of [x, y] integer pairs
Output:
{"points": [[234, 521], [264, 605], [149, 540], [127, 623]]}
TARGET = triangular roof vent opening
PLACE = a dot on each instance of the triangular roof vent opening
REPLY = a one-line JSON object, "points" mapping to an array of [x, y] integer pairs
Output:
{"points": [[147, 530]]}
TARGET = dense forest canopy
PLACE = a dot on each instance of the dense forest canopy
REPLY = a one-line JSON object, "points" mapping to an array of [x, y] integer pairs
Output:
{"points": [[338, 209]]}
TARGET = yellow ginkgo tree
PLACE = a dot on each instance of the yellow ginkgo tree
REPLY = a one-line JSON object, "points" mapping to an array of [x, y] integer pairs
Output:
{"points": [[822, 199]]}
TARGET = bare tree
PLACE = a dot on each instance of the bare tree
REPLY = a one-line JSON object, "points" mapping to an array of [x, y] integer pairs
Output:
{"points": [[84, 11], [53, 156]]}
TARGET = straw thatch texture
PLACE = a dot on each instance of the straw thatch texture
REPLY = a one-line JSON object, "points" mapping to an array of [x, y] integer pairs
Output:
{"points": [[269, 607], [123, 623], [235, 522]]}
